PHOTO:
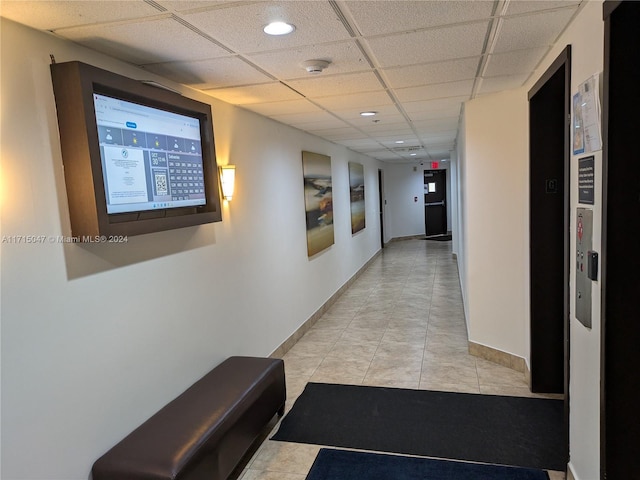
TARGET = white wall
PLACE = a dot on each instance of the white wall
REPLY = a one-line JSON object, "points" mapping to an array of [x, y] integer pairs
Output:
{"points": [[493, 180], [96, 338], [454, 209], [585, 35], [460, 235]]}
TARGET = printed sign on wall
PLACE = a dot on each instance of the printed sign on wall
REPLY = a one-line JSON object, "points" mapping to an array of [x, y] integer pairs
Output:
{"points": [[586, 180]]}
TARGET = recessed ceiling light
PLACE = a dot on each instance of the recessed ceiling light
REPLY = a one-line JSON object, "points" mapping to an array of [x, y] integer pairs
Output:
{"points": [[399, 141], [278, 28], [413, 154], [368, 114]]}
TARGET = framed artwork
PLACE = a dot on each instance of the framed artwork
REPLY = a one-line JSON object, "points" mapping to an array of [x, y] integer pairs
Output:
{"points": [[318, 201], [356, 191]]}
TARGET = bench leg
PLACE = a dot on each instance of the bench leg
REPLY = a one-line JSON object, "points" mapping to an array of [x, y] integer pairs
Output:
{"points": [[281, 411]]}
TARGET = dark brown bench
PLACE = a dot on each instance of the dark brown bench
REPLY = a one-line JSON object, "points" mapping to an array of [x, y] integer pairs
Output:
{"points": [[204, 432]]}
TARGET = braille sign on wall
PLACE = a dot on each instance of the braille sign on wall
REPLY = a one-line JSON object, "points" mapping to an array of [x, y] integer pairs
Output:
{"points": [[586, 180]]}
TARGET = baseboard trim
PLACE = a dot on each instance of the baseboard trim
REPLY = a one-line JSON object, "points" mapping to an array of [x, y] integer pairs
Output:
{"points": [[570, 473], [285, 346], [498, 356]]}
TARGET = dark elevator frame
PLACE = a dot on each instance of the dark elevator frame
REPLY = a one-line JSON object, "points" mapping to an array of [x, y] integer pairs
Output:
{"points": [[549, 217], [620, 258]]}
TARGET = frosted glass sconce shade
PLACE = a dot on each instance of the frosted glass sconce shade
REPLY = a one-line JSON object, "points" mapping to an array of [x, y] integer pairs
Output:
{"points": [[227, 180]]}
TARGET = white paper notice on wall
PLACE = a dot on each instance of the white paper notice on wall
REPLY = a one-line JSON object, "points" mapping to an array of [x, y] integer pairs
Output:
{"points": [[587, 136]]}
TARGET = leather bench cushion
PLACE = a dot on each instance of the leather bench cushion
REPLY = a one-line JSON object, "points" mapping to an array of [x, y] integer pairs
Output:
{"points": [[193, 423]]}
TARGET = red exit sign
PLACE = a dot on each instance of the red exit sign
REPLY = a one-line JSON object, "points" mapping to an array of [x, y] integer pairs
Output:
{"points": [[435, 165]]}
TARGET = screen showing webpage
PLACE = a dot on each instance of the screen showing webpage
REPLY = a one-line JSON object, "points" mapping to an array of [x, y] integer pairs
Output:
{"points": [[151, 158]]}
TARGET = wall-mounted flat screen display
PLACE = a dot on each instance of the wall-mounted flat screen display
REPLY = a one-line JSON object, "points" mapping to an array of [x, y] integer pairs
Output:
{"points": [[137, 159], [151, 158]]}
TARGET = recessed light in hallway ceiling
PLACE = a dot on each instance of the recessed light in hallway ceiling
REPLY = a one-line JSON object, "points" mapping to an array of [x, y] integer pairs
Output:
{"points": [[278, 28]]}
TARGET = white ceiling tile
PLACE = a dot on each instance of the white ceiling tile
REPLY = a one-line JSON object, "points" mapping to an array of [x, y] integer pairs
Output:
{"points": [[377, 101], [323, 86], [300, 119], [380, 121], [438, 104], [315, 23], [441, 137], [390, 140], [48, 15], [322, 121], [401, 129], [435, 45], [208, 74], [434, 113], [526, 6], [283, 108], [413, 156], [265, 93], [345, 57], [364, 143], [437, 125], [425, 74], [427, 52], [385, 155], [372, 151], [376, 17], [439, 151], [439, 146], [442, 153], [152, 41], [340, 135], [419, 157], [535, 30], [344, 130], [440, 90], [385, 115], [504, 82], [185, 5], [511, 63], [431, 134]]}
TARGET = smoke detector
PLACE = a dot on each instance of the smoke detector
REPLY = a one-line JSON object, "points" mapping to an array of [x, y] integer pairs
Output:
{"points": [[315, 66]]}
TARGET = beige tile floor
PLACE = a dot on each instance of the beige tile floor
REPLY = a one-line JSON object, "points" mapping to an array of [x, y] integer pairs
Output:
{"points": [[401, 324]]}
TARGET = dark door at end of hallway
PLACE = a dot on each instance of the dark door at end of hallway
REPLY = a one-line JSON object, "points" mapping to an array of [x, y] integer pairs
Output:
{"points": [[435, 202]]}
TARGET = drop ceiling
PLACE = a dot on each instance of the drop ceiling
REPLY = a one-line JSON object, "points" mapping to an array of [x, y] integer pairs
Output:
{"points": [[413, 62]]}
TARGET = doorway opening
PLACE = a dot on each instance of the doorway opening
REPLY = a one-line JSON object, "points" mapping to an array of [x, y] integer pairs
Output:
{"points": [[549, 214], [435, 202]]}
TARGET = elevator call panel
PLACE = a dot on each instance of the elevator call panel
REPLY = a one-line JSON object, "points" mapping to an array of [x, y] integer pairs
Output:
{"points": [[586, 263]]}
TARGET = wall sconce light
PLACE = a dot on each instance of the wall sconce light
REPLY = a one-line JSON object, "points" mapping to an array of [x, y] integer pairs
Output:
{"points": [[227, 180]]}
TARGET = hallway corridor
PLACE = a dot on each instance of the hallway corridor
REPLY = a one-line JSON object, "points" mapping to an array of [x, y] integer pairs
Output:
{"points": [[401, 324]]}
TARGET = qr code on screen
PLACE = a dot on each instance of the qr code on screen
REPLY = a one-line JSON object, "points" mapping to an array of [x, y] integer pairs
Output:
{"points": [[161, 184]]}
